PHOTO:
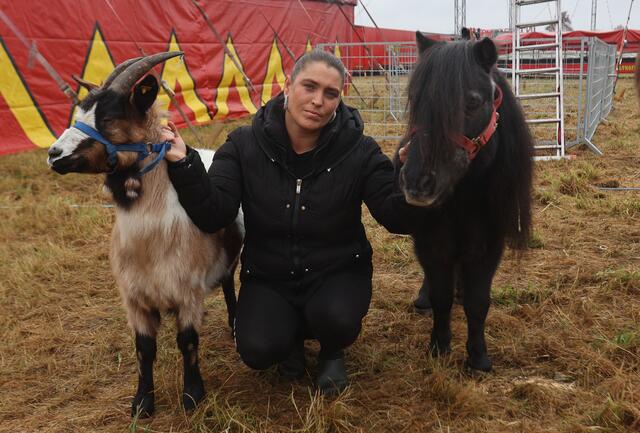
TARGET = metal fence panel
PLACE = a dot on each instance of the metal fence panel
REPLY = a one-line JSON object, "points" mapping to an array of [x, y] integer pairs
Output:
{"points": [[574, 66], [600, 82], [601, 79]]}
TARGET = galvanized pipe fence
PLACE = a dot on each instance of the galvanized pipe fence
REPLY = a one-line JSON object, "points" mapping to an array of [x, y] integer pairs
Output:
{"points": [[379, 74]]}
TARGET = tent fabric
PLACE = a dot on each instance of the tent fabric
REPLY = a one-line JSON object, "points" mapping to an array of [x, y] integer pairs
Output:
{"points": [[610, 37], [341, 2], [89, 38], [374, 34]]}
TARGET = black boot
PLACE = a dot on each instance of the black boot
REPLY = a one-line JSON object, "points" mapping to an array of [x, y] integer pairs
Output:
{"points": [[332, 376], [293, 367]]}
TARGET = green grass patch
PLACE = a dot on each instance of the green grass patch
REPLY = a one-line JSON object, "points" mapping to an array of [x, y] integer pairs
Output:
{"points": [[620, 280], [510, 296]]}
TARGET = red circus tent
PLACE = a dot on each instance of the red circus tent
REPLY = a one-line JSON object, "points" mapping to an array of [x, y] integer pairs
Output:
{"points": [[611, 37], [257, 40]]}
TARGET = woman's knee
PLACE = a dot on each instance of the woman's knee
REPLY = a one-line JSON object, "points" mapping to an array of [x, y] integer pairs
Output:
{"points": [[260, 353], [336, 323]]}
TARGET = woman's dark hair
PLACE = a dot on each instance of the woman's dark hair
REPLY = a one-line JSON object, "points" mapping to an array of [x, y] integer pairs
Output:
{"points": [[319, 56]]}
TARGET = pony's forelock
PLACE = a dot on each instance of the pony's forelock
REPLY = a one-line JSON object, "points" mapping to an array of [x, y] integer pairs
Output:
{"points": [[436, 94]]}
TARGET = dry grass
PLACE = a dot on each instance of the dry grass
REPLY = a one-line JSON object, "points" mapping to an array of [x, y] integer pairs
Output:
{"points": [[563, 332]]}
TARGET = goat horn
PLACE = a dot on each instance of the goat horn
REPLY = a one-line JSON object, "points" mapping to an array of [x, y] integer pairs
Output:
{"points": [[84, 83], [117, 70], [124, 81]]}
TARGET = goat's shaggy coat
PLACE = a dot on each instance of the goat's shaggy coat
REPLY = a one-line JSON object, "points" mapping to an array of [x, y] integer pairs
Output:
{"points": [[160, 259]]}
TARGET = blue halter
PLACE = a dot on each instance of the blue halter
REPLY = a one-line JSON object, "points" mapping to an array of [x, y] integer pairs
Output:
{"points": [[141, 149]]}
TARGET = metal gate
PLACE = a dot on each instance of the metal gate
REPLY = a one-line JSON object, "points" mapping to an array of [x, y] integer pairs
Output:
{"points": [[552, 95], [600, 86], [589, 76]]}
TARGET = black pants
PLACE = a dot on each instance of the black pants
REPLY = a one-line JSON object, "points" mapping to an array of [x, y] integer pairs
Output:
{"points": [[272, 317]]}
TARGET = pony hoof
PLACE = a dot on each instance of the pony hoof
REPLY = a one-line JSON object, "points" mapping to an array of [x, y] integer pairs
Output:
{"points": [[142, 406], [482, 364], [422, 305], [437, 350], [191, 398], [426, 311]]}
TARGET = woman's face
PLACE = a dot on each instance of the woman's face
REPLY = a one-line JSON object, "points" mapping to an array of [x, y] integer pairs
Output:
{"points": [[314, 95]]}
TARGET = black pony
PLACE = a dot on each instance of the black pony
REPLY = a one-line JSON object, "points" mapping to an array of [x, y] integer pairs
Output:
{"points": [[470, 162]]}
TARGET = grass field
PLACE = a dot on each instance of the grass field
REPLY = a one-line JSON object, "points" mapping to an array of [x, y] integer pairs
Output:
{"points": [[563, 331]]}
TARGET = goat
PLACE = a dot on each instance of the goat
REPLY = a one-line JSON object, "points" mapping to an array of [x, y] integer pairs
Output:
{"points": [[161, 261]]}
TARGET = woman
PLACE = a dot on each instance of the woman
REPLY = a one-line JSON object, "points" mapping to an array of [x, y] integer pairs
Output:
{"points": [[301, 172]]}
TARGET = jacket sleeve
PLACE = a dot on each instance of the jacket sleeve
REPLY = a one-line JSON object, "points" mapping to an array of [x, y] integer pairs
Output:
{"points": [[210, 199], [382, 194]]}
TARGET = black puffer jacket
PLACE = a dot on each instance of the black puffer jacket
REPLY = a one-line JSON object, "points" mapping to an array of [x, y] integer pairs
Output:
{"points": [[293, 226]]}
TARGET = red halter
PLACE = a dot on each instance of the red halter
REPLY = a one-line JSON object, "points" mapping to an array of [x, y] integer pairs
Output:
{"points": [[473, 145]]}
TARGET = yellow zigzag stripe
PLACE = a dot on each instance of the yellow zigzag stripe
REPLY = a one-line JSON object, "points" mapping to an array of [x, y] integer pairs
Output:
{"points": [[21, 104]]}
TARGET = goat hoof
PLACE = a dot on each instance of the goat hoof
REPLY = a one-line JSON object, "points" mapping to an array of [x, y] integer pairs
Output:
{"points": [[143, 405], [482, 363], [192, 396], [437, 350]]}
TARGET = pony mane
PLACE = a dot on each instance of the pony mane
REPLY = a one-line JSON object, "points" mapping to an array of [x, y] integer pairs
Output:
{"points": [[512, 170]]}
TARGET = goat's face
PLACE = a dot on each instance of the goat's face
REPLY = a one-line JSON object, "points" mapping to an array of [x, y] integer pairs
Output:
{"points": [[121, 111]]}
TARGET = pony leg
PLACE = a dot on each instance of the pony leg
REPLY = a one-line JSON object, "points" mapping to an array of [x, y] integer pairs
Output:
{"points": [[441, 296], [422, 304], [145, 324], [477, 278], [193, 387]]}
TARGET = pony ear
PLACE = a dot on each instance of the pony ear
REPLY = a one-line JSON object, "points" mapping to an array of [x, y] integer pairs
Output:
{"points": [[144, 94], [486, 53], [466, 34], [423, 42]]}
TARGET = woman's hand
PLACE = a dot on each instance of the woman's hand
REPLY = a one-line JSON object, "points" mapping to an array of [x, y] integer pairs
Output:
{"points": [[178, 148], [402, 153]]}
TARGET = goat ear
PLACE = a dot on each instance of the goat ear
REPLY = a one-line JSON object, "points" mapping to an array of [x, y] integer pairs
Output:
{"points": [[486, 53], [144, 94], [423, 42], [84, 83]]}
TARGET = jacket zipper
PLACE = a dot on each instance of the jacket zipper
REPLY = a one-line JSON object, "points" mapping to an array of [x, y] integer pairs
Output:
{"points": [[294, 225]]}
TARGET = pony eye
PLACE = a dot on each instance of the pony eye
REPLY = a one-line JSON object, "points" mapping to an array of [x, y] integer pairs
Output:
{"points": [[473, 102]]}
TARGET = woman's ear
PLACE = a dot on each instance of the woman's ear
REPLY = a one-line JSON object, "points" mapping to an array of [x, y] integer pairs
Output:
{"points": [[287, 84]]}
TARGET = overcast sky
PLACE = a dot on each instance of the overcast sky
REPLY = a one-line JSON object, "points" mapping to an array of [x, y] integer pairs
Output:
{"points": [[437, 15]]}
